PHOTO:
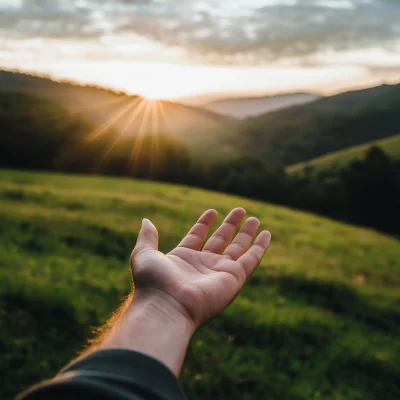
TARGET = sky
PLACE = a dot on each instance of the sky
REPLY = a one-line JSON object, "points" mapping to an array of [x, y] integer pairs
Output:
{"points": [[201, 49]]}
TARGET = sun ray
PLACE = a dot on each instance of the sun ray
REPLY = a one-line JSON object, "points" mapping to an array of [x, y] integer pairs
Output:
{"points": [[132, 118], [135, 114], [163, 114], [102, 128], [79, 147], [156, 124], [137, 147], [146, 116], [155, 132], [85, 109]]}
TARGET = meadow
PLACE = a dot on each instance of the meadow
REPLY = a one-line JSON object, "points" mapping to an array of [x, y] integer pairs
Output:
{"points": [[320, 319], [341, 159]]}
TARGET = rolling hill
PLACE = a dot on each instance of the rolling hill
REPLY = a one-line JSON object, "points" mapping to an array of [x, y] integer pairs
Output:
{"points": [[340, 159], [286, 137], [301, 133], [125, 114], [253, 106], [318, 319]]}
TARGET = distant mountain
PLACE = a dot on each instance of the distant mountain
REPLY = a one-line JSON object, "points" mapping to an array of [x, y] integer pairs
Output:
{"points": [[304, 132], [253, 106], [128, 115]]}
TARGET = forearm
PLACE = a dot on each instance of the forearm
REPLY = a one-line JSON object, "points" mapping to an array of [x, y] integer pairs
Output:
{"points": [[149, 325], [137, 355]]}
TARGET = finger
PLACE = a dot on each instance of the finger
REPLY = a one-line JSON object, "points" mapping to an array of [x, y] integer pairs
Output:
{"points": [[243, 239], [219, 241], [148, 236], [197, 235], [250, 260]]}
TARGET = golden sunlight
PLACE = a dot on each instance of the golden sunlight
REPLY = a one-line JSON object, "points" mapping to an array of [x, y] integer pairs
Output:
{"points": [[139, 117], [157, 81]]}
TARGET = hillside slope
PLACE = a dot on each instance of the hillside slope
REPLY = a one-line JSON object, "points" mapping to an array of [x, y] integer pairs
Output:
{"points": [[340, 159], [317, 320], [252, 106], [125, 114], [334, 123], [37, 133]]}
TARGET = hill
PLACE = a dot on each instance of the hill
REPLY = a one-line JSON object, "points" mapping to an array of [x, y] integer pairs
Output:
{"points": [[125, 114], [252, 106], [341, 159], [334, 123], [318, 319], [286, 137], [37, 133]]}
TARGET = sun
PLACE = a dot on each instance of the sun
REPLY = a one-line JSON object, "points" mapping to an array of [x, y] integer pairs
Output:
{"points": [[154, 97], [159, 88], [155, 81]]}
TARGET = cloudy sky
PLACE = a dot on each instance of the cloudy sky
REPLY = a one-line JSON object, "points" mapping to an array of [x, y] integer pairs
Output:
{"points": [[172, 48]]}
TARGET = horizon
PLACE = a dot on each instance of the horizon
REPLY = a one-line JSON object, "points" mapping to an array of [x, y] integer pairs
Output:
{"points": [[205, 49], [192, 100]]}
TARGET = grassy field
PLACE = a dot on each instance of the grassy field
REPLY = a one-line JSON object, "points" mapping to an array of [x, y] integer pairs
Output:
{"points": [[340, 159], [320, 319]]}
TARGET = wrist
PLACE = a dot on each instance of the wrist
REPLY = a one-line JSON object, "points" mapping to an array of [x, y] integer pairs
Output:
{"points": [[153, 325], [157, 307]]}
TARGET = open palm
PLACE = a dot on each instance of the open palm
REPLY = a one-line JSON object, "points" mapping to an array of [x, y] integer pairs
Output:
{"points": [[199, 281]]}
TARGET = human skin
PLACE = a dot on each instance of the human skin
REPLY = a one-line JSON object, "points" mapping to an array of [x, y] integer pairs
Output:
{"points": [[178, 292]]}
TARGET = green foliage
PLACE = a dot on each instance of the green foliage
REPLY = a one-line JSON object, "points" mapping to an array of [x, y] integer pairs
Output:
{"points": [[343, 158], [319, 319], [31, 134], [366, 192]]}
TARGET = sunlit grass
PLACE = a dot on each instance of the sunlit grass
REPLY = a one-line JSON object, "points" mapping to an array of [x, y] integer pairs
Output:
{"points": [[341, 159], [315, 321]]}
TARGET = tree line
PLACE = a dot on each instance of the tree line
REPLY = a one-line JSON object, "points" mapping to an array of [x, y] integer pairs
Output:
{"points": [[366, 192]]}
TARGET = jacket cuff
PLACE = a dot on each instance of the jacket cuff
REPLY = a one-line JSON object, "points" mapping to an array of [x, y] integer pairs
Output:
{"points": [[130, 368]]}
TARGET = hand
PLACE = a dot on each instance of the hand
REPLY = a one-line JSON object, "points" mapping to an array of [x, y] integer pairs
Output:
{"points": [[195, 281]]}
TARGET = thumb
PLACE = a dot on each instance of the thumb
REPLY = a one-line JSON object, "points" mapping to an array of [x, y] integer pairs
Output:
{"points": [[148, 236]]}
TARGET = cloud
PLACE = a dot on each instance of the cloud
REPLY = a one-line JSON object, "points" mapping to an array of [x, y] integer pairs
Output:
{"points": [[224, 31]]}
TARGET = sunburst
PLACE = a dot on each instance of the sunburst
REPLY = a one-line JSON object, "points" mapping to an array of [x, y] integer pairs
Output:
{"points": [[140, 117]]}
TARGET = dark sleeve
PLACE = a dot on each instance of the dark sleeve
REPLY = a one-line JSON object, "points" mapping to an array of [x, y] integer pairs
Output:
{"points": [[110, 375]]}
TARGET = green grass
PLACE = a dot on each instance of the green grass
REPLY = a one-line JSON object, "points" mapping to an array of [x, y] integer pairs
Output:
{"points": [[341, 159], [320, 319]]}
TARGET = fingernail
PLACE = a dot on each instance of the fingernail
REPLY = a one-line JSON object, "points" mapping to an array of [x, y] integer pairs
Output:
{"points": [[147, 222]]}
